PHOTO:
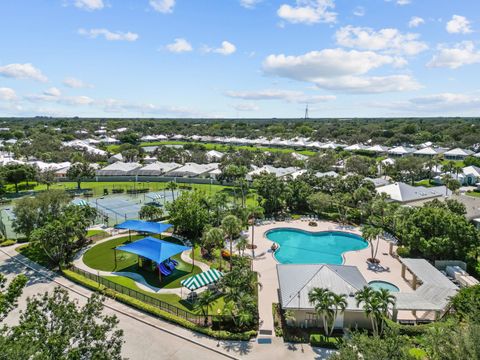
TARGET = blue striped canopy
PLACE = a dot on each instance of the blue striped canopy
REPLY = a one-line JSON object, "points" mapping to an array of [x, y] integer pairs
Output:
{"points": [[144, 226], [153, 249]]}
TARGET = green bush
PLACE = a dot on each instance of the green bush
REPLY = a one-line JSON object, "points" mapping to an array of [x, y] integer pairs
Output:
{"points": [[7, 243], [403, 251], [140, 305], [320, 340], [410, 330]]}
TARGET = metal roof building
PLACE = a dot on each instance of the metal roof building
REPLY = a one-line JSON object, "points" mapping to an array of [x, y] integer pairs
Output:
{"points": [[157, 169], [295, 282], [119, 169]]}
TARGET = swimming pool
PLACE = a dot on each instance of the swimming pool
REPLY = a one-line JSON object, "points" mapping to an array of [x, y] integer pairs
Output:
{"points": [[379, 284], [305, 247]]}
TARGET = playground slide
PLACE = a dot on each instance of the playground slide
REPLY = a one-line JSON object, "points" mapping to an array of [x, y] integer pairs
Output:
{"points": [[163, 269]]}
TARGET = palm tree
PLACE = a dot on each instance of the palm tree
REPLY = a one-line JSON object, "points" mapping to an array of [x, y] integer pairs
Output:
{"points": [[375, 305], [232, 227], [371, 234], [216, 238], [322, 300], [339, 302], [204, 301], [366, 296], [242, 245], [386, 299], [254, 212], [289, 316], [172, 185]]}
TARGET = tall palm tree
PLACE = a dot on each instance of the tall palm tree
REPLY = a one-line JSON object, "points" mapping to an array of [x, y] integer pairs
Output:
{"points": [[366, 297], [375, 305], [172, 185], [386, 299], [322, 300], [205, 302], [232, 227], [242, 245], [339, 302], [216, 238], [371, 234], [254, 213]]}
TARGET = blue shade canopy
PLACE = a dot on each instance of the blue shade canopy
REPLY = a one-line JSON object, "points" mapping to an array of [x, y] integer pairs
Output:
{"points": [[144, 226], [153, 249]]}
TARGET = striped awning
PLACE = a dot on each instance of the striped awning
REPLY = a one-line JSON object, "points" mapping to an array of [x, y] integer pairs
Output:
{"points": [[155, 196], [203, 279], [80, 202]]}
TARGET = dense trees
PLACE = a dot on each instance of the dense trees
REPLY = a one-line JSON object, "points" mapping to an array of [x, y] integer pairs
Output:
{"points": [[150, 212], [435, 232], [80, 171], [54, 327]]}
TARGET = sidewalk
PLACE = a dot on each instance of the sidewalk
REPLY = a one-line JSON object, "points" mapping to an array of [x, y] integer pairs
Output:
{"points": [[231, 349]]}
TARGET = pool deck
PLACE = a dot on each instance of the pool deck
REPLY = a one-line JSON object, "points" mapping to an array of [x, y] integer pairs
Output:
{"points": [[265, 263]]}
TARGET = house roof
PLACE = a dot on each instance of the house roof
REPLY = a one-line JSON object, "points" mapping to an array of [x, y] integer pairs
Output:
{"points": [[401, 150], [433, 294], [157, 168], [458, 152], [193, 169], [296, 281], [404, 193], [119, 168]]}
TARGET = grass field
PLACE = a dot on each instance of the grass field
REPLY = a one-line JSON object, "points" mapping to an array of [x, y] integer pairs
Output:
{"points": [[173, 299], [218, 147], [102, 257], [98, 188]]}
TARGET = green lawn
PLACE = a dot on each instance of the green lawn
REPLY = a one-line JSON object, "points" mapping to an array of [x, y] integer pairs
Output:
{"points": [[213, 263], [218, 147], [98, 187], [424, 183], [473, 193], [101, 257], [173, 299], [35, 255]]}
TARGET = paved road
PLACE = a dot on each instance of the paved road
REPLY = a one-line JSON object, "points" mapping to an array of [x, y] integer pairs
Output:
{"points": [[150, 338], [142, 341]]}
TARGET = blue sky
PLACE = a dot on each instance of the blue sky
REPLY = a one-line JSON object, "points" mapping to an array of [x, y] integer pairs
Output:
{"points": [[239, 58]]}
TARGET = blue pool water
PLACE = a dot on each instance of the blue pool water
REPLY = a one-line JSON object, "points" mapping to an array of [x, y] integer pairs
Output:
{"points": [[378, 284], [305, 247]]}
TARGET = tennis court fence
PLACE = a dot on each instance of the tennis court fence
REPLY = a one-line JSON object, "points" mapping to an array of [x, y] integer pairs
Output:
{"points": [[161, 305]]}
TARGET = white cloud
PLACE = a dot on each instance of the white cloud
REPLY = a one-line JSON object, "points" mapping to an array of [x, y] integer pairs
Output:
{"points": [[245, 107], [400, 2], [179, 46], [284, 95], [370, 84], [227, 48], [341, 70], [249, 4], [415, 21], [456, 103], [359, 11], [22, 71], [459, 25], [53, 91], [7, 94], [385, 39], [89, 5], [460, 54], [308, 12], [109, 35], [77, 100], [74, 83], [163, 6]]}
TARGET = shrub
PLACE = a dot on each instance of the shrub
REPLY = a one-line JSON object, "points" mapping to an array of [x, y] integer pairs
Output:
{"points": [[7, 243], [320, 340], [226, 254], [140, 305], [403, 251]]}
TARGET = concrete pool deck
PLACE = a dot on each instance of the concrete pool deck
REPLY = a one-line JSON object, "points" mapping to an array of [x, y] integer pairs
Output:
{"points": [[265, 263]]}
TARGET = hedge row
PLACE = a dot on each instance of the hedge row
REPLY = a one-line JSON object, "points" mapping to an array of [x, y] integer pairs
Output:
{"points": [[140, 305], [320, 340]]}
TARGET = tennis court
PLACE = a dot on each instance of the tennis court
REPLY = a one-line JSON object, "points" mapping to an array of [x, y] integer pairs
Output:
{"points": [[116, 208]]}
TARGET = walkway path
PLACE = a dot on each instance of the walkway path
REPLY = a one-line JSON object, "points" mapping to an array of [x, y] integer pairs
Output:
{"points": [[147, 337], [139, 279]]}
